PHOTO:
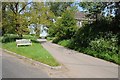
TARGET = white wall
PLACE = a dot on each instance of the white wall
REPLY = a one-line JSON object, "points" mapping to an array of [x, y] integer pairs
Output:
{"points": [[43, 31]]}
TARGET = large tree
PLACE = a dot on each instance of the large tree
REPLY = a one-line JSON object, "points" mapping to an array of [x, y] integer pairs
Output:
{"points": [[40, 13], [59, 7], [93, 9], [0, 13], [65, 27], [14, 19]]}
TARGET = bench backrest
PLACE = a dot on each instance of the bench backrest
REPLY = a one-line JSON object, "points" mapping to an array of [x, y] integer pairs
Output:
{"points": [[23, 41]]}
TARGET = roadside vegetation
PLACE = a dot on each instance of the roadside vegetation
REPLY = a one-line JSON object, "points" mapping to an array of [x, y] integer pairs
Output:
{"points": [[100, 39], [97, 41], [16, 17], [35, 51]]}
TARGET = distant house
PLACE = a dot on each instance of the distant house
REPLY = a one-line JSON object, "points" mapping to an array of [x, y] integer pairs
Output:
{"points": [[43, 30], [32, 28], [81, 17]]}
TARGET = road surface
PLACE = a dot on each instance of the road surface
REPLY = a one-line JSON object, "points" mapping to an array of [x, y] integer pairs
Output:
{"points": [[80, 65], [12, 67], [74, 65]]}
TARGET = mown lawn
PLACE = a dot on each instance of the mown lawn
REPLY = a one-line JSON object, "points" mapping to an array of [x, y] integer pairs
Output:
{"points": [[36, 52]]}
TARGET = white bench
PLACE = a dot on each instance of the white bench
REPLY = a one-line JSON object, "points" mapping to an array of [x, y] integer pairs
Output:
{"points": [[23, 42]]}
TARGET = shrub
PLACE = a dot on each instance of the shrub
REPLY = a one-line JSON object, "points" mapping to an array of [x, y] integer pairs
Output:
{"points": [[32, 37], [56, 40], [50, 38], [105, 48], [10, 38], [106, 45], [98, 40], [1, 39], [65, 43]]}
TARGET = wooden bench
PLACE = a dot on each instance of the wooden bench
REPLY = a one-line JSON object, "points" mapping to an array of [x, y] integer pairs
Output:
{"points": [[23, 42]]}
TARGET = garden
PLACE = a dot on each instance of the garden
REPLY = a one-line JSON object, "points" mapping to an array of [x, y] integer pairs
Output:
{"points": [[99, 38], [34, 51]]}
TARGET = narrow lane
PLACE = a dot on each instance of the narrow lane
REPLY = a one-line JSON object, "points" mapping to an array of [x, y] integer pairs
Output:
{"points": [[81, 65], [12, 67]]}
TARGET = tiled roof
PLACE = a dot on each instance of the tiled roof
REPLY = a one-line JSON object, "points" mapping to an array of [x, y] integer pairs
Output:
{"points": [[79, 15]]}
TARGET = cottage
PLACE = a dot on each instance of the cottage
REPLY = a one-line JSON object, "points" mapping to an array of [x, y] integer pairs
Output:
{"points": [[32, 29], [43, 30], [81, 17]]}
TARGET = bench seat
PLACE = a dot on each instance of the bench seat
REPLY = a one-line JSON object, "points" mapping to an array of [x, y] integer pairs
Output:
{"points": [[23, 42]]}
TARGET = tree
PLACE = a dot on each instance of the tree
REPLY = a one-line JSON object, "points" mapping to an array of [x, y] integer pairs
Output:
{"points": [[40, 14], [93, 9], [0, 13], [59, 7], [65, 26], [14, 20]]}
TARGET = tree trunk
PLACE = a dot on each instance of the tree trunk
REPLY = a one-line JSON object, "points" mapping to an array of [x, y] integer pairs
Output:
{"points": [[96, 17], [20, 35]]}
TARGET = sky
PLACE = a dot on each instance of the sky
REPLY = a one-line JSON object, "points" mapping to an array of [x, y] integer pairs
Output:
{"points": [[81, 9]]}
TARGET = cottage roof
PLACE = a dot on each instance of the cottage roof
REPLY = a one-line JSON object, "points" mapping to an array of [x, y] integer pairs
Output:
{"points": [[79, 15]]}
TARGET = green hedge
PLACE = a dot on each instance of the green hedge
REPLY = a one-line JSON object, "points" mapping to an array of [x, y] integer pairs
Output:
{"points": [[10, 38]]}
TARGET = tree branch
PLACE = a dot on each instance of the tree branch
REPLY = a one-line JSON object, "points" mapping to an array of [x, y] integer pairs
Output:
{"points": [[16, 6], [24, 6], [12, 8]]}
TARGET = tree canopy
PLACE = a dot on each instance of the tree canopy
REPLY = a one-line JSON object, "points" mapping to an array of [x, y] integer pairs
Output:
{"points": [[14, 17]]}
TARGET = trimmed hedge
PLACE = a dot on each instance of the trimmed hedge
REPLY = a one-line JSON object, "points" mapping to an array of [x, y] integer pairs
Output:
{"points": [[10, 38]]}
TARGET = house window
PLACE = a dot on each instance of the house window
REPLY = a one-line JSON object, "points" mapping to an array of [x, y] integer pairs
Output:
{"points": [[79, 23]]}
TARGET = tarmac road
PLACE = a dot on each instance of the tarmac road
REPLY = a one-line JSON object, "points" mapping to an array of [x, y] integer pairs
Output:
{"points": [[12, 67], [80, 65]]}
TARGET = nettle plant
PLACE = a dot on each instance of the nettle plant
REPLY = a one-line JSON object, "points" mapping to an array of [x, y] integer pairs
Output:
{"points": [[105, 45]]}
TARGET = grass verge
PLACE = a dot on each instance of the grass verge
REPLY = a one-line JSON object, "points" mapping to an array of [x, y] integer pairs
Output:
{"points": [[35, 52]]}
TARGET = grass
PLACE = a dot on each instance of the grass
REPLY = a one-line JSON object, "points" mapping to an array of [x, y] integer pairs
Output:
{"points": [[35, 52]]}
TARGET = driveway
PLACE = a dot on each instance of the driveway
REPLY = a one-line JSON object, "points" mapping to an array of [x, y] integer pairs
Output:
{"points": [[79, 65]]}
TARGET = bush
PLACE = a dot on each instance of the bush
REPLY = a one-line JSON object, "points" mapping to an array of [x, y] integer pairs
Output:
{"points": [[103, 55], [65, 43], [107, 45], [1, 38], [98, 40], [32, 37], [56, 40], [10, 38], [50, 38], [105, 48]]}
